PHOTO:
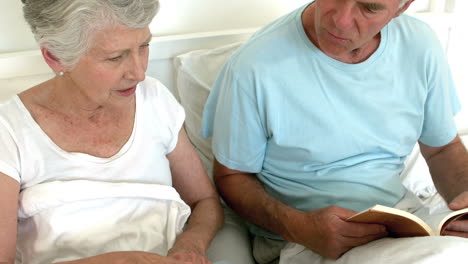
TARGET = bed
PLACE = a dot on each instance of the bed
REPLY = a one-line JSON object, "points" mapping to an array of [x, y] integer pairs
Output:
{"points": [[187, 64]]}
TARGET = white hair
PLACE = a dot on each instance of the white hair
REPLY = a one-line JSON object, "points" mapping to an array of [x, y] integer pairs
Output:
{"points": [[402, 3], [66, 27]]}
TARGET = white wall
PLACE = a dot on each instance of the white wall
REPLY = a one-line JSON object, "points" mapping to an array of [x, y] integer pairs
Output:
{"points": [[175, 17], [15, 33], [184, 16], [189, 16]]}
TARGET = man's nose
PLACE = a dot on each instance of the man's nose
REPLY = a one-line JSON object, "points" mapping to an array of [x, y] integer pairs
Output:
{"points": [[344, 17]]}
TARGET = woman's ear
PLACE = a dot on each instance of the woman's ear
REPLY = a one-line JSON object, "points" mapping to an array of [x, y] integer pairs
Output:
{"points": [[52, 61], [404, 8]]}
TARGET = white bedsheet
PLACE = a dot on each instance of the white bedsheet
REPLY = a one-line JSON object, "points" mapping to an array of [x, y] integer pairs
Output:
{"points": [[412, 250], [68, 220], [415, 250]]}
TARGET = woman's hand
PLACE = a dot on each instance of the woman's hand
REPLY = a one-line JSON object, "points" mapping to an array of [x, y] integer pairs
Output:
{"points": [[192, 256], [128, 257]]}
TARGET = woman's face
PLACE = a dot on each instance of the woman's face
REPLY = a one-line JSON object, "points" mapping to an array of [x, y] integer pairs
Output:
{"points": [[114, 65]]}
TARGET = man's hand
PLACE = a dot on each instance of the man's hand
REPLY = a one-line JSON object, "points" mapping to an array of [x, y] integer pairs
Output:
{"points": [[327, 232], [459, 227]]}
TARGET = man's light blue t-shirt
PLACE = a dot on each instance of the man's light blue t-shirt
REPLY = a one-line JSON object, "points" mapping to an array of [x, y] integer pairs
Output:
{"points": [[318, 132]]}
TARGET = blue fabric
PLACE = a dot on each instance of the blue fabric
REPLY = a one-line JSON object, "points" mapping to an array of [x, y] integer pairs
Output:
{"points": [[319, 132]]}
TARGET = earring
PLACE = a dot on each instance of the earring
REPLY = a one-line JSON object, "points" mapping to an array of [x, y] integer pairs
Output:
{"points": [[60, 74]]}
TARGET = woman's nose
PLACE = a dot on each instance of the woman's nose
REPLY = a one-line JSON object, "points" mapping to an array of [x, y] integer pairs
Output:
{"points": [[136, 69]]}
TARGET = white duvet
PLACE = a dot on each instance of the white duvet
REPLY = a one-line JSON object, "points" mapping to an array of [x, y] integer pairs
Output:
{"points": [[61, 221], [412, 250]]}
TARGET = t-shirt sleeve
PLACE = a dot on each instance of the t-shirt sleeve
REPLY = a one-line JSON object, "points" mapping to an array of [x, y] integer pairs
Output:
{"points": [[442, 102], [232, 117], [172, 113], [9, 154]]}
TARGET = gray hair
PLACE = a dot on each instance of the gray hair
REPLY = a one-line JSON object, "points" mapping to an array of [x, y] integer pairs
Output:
{"points": [[402, 3], [66, 27]]}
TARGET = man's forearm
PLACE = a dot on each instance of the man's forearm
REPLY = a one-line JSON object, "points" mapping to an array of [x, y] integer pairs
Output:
{"points": [[247, 196], [449, 171]]}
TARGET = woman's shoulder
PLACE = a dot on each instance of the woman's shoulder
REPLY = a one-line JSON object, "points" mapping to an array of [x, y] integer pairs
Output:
{"points": [[13, 119], [10, 109]]}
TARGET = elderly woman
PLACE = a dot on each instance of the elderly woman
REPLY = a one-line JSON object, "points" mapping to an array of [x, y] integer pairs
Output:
{"points": [[94, 164]]}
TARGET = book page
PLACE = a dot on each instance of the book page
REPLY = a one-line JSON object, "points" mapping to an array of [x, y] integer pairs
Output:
{"points": [[439, 217], [398, 222]]}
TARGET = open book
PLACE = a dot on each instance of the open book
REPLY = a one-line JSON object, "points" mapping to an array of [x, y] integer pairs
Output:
{"points": [[400, 223]]}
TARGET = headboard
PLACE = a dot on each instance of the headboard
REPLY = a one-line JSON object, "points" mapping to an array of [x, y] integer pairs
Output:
{"points": [[21, 70]]}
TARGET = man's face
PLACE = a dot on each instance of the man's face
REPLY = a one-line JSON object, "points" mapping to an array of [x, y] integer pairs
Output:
{"points": [[343, 26]]}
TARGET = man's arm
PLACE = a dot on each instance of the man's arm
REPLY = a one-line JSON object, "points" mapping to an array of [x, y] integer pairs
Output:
{"points": [[448, 166], [324, 231]]}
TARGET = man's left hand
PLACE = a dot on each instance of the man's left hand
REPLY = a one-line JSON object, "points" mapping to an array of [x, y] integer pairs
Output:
{"points": [[459, 227]]}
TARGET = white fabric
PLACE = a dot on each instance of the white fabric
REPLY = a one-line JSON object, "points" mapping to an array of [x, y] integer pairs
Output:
{"points": [[28, 155], [414, 250], [76, 205], [196, 71], [416, 176], [231, 245], [61, 221], [12, 86]]}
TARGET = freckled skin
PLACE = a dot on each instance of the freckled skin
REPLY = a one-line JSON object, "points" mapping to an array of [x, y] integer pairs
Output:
{"points": [[91, 108]]}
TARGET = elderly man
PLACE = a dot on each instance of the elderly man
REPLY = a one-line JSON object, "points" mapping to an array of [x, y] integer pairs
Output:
{"points": [[312, 120]]}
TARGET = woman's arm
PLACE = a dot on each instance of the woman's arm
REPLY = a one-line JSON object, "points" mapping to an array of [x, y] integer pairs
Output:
{"points": [[9, 193], [192, 183], [126, 257]]}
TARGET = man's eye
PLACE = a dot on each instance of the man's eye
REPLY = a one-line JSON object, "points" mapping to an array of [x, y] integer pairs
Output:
{"points": [[371, 8], [115, 58]]}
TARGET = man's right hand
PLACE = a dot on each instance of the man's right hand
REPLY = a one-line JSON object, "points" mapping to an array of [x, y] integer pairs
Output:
{"points": [[326, 231]]}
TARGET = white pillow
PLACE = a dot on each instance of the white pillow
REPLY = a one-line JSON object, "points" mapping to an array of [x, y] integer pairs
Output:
{"points": [[196, 72], [416, 176], [12, 86]]}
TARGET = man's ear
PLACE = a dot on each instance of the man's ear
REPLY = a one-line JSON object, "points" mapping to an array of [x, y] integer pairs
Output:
{"points": [[404, 8], [51, 60]]}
